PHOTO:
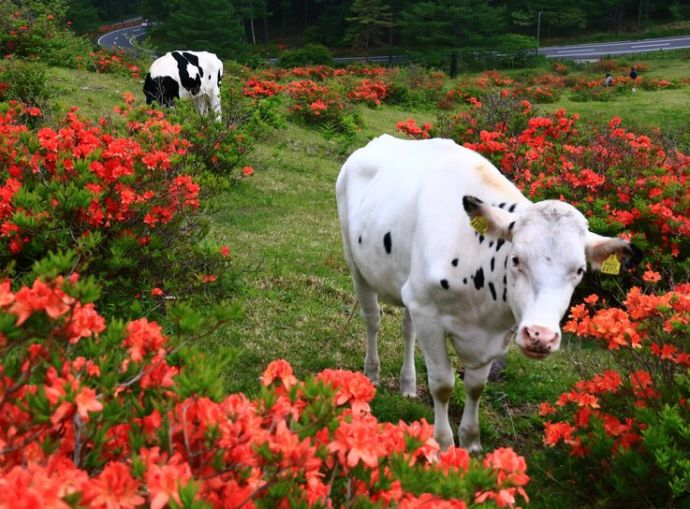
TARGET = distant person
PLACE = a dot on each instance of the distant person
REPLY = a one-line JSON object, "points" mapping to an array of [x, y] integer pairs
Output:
{"points": [[608, 81], [633, 76]]}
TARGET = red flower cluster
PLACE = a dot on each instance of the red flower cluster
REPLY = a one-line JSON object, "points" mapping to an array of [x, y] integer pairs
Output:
{"points": [[127, 181], [261, 88], [368, 91], [116, 62], [98, 433], [624, 179], [410, 128], [651, 330], [312, 101]]}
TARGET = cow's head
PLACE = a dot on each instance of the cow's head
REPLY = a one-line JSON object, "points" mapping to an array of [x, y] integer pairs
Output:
{"points": [[550, 245]]}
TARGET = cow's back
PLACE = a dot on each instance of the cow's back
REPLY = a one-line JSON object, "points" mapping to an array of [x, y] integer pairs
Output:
{"points": [[400, 201], [198, 72]]}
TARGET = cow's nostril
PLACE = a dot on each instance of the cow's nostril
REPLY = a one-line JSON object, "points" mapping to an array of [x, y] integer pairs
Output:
{"points": [[541, 338]]}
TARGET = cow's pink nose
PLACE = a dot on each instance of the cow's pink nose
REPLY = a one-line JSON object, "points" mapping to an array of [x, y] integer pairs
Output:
{"points": [[541, 339]]}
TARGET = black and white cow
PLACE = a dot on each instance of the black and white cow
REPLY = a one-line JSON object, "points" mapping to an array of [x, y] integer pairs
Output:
{"points": [[407, 210], [194, 75]]}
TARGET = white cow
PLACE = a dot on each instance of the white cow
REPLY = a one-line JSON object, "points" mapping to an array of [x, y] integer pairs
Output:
{"points": [[405, 211], [194, 75]]}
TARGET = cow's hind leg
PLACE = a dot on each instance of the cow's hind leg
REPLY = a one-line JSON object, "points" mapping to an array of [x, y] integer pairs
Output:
{"points": [[408, 373], [371, 312], [474, 381]]}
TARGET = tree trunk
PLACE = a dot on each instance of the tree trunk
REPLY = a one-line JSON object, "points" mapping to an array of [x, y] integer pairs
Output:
{"points": [[251, 21]]}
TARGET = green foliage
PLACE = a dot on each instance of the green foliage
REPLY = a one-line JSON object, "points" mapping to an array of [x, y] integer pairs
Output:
{"points": [[667, 438], [83, 16], [211, 25], [369, 23], [310, 54], [24, 82], [37, 30]]}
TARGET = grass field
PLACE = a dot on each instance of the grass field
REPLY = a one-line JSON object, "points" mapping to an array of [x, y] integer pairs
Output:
{"points": [[293, 283]]}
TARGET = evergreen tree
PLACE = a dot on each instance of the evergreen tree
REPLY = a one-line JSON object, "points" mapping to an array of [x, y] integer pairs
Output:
{"points": [[83, 15], [157, 10], [369, 24], [211, 25]]}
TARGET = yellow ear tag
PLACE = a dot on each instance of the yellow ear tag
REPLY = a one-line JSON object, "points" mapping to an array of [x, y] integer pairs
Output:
{"points": [[480, 224], [611, 265]]}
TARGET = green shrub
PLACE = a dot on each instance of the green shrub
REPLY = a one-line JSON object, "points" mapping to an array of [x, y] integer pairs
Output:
{"points": [[126, 205], [627, 426], [311, 54], [36, 30], [25, 82]]}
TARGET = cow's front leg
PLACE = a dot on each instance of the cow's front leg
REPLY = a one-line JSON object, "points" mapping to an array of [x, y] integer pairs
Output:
{"points": [[200, 104], [432, 341], [371, 312], [408, 373], [474, 381], [215, 105]]}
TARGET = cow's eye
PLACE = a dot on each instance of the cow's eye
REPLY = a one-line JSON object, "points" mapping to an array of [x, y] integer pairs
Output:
{"points": [[580, 271], [516, 261]]}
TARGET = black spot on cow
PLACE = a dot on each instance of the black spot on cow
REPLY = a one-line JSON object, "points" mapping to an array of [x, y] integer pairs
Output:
{"points": [[387, 242], [492, 289], [501, 205], [219, 77], [499, 244], [192, 85], [481, 239], [493, 263], [511, 225], [162, 89], [491, 244], [464, 281], [505, 280], [359, 240], [512, 207], [479, 278], [505, 294], [444, 284], [454, 263], [505, 263]]}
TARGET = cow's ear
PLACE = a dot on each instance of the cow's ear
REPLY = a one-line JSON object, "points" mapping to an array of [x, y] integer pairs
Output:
{"points": [[489, 220], [599, 248]]}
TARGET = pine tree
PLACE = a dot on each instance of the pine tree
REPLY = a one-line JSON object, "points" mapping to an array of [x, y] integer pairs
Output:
{"points": [[205, 25], [369, 24]]}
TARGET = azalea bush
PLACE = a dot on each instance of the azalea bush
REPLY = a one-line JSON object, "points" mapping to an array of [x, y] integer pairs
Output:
{"points": [[39, 31], [116, 195], [370, 92], [115, 62], [25, 82], [625, 183], [317, 104], [107, 415], [622, 435]]}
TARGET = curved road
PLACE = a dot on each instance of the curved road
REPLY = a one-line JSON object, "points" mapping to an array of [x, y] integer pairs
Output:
{"points": [[123, 38]]}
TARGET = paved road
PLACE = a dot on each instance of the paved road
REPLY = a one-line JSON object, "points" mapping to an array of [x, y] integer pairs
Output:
{"points": [[597, 50], [122, 38]]}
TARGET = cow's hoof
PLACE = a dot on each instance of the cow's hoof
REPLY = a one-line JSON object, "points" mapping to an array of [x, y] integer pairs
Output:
{"points": [[408, 389], [474, 449], [445, 440], [373, 373]]}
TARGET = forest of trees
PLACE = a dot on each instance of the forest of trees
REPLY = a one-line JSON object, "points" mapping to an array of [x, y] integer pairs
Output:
{"points": [[367, 24]]}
